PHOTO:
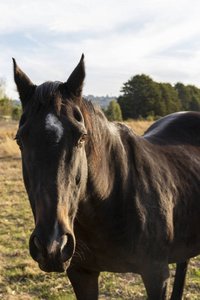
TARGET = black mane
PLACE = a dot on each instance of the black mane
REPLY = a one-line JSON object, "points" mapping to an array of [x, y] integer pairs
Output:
{"points": [[93, 116]]}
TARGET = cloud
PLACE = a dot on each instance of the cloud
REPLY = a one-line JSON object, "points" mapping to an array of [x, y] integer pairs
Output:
{"points": [[119, 39]]}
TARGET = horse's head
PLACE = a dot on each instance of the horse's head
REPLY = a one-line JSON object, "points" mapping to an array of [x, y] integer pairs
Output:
{"points": [[51, 137]]}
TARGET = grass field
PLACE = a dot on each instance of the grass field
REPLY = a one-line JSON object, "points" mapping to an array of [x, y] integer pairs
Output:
{"points": [[20, 277]]}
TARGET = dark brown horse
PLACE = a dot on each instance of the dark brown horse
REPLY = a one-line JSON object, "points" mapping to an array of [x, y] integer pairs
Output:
{"points": [[104, 198]]}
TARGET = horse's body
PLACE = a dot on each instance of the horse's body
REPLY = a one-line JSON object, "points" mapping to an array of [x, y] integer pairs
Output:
{"points": [[115, 201]]}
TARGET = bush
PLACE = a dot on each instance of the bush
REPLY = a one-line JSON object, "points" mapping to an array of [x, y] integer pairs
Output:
{"points": [[113, 113], [150, 118], [16, 113]]}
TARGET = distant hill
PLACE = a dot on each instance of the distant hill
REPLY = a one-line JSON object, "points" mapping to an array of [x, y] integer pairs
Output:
{"points": [[16, 102], [103, 101]]}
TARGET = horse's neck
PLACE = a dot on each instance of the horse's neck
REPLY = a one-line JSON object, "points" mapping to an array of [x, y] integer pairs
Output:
{"points": [[110, 189], [111, 170]]}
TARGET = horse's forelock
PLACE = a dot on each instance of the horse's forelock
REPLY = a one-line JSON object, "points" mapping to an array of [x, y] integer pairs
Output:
{"points": [[47, 93]]}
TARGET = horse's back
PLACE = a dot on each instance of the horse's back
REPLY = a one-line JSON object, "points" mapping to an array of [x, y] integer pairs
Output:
{"points": [[176, 129]]}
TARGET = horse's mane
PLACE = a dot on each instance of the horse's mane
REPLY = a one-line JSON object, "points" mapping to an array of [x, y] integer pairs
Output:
{"points": [[93, 115]]}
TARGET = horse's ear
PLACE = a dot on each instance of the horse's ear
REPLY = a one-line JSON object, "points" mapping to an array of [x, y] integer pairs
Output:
{"points": [[25, 86], [75, 82]]}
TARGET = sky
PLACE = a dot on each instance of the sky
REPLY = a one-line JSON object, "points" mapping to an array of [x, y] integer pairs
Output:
{"points": [[120, 39]]}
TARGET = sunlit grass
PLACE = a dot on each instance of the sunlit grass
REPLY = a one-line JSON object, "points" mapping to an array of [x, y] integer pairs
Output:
{"points": [[8, 146], [139, 126]]}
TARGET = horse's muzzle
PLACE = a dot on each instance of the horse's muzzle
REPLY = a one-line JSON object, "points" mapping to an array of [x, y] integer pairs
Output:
{"points": [[54, 256]]}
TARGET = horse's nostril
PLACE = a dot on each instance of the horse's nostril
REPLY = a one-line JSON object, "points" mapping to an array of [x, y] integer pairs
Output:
{"points": [[52, 254], [64, 242], [37, 243], [67, 248], [35, 247]]}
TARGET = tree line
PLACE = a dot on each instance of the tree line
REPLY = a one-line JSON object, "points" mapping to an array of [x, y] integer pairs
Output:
{"points": [[144, 98], [7, 107], [141, 98]]}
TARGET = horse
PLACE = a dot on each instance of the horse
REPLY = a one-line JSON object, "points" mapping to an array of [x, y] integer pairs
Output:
{"points": [[104, 198]]}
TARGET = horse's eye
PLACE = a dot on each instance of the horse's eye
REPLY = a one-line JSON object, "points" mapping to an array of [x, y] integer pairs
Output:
{"points": [[82, 139], [18, 141]]}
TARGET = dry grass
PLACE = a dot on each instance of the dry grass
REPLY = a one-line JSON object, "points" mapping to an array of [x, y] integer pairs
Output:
{"points": [[139, 126], [8, 147]]}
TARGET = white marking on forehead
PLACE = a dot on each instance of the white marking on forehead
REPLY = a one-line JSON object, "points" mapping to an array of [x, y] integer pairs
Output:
{"points": [[53, 124]]}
